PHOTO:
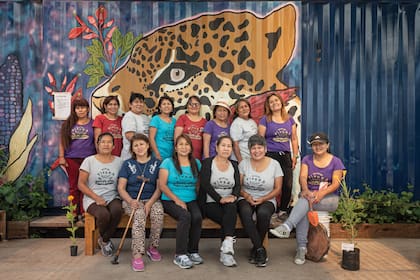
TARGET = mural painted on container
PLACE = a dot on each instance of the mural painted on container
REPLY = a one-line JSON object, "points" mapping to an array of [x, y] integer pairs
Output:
{"points": [[226, 51]]}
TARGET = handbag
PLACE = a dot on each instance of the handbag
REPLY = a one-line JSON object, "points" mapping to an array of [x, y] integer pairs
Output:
{"points": [[318, 240]]}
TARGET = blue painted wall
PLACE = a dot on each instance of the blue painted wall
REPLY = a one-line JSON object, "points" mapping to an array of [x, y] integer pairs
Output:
{"points": [[361, 84]]}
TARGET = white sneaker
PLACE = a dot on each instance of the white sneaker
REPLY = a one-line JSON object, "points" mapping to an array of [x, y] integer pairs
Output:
{"points": [[282, 231], [227, 259], [300, 255], [183, 261], [227, 245], [195, 258]]}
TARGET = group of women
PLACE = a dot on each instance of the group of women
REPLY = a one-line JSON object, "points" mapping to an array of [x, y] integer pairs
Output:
{"points": [[190, 168]]}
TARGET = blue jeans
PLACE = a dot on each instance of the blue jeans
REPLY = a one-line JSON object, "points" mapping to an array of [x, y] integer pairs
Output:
{"points": [[299, 216]]}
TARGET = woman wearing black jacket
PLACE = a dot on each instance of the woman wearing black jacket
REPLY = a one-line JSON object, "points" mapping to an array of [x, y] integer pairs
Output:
{"points": [[219, 190]]}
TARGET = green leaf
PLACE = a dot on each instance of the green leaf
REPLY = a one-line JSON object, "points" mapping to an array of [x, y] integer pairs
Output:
{"points": [[117, 40], [94, 80]]}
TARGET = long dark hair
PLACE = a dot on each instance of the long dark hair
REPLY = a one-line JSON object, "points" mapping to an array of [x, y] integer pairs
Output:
{"points": [[165, 97], [71, 121], [193, 163]]}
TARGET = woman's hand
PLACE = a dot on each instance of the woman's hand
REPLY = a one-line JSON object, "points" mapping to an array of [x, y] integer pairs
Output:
{"points": [[62, 161], [181, 204], [134, 204], [307, 194], [100, 201], [317, 196], [258, 201], [228, 199], [147, 207]]}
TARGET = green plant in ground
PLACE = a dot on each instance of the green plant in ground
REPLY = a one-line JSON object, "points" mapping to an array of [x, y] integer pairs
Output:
{"points": [[71, 216], [350, 210], [386, 206], [24, 198]]}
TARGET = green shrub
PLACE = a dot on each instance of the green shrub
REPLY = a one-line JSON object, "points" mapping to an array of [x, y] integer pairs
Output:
{"points": [[385, 206]]}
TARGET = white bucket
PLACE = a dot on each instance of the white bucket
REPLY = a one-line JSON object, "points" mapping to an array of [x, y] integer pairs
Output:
{"points": [[324, 218]]}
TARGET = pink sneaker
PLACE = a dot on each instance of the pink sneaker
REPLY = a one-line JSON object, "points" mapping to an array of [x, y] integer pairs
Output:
{"points": [[153, 254], [137, 264]]}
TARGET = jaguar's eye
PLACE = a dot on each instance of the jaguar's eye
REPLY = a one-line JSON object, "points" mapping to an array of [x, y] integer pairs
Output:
{"points": [[177, 75]]}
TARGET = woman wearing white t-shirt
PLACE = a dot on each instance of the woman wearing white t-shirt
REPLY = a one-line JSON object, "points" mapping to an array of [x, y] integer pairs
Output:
{"points": [[98, 182], [134, 121], [242, 127], [261, 179]]}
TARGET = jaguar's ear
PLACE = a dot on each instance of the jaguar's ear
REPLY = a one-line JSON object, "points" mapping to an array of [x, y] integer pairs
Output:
{"points": [[279, 29]]}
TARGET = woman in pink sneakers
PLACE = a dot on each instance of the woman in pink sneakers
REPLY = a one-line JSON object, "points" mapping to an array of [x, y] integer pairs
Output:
{"points": [[142, 167]]}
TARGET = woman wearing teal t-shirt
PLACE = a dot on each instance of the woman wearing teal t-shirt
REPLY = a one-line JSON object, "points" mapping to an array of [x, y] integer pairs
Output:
{"points": [[178, 181]]}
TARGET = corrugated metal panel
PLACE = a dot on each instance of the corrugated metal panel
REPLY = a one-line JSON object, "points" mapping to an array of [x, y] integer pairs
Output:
{"points": [[361, 75]]}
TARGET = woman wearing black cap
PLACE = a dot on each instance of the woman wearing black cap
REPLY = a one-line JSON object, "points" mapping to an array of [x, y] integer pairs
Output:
{"points": [[320, 177]]}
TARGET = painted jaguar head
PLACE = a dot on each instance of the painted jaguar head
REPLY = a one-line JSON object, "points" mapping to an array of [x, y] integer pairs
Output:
{"points": [[228, 55]]}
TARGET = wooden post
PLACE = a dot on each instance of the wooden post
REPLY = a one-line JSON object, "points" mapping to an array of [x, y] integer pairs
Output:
{"points": [[2, 225]]}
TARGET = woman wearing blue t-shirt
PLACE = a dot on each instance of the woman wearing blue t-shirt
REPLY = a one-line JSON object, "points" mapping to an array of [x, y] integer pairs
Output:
{"points": [[132, 174], [161, 130], [320, 177], [178, 181]]}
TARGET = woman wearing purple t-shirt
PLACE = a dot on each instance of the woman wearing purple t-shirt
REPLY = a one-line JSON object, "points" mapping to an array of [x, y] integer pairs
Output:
{"points": [[217, 127], [279, 130], [77, 143], [320, 177]]}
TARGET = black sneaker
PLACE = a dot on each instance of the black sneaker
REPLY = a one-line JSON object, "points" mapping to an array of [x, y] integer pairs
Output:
{"points": [[261, 257], [252, 255]]}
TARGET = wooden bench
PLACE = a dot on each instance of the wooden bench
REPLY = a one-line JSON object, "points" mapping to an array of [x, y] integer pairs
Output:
{"points": [[92, 232]]}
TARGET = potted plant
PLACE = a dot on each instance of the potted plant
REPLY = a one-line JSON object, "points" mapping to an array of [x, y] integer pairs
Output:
{"points": [[351, 210], [71, 216], [22, 199]]}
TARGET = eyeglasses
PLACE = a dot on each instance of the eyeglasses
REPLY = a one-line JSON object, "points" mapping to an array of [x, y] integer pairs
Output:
{"points": [[194, 104]]}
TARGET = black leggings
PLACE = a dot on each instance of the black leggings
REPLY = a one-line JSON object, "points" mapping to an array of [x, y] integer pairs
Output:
{"points": [[107, 217], [283, 200], [188, 227], [223, 214], [256, 231]]}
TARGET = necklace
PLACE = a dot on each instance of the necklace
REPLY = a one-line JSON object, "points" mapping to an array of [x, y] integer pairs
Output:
{"points": [[142, 170]]}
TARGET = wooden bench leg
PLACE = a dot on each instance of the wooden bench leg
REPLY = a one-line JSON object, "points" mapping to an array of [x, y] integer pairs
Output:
{"points": [[90, 240]]}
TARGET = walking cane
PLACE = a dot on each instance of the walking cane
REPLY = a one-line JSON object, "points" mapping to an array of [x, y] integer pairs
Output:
{"points": [[114, 259]]}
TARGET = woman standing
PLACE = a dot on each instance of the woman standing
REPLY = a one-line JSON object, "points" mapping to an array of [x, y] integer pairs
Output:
{"points": [[133, 173], [134, 121], [110, 122], [242, 127], [216, 128], [320, 177], [219, 190], [162, 128], [178, 181], [98, 183], [261, 179], [279, 130], [192, 125], [77, 143]]}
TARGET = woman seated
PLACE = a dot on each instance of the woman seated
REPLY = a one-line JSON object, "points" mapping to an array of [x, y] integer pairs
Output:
{"points": [[98, 183], [320, 177], [141, 169], [178, 181], [219, 190], [261, 179]]}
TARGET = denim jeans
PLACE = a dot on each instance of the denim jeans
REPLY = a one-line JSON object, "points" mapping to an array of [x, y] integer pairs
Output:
{"points": [[299, 216]]}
